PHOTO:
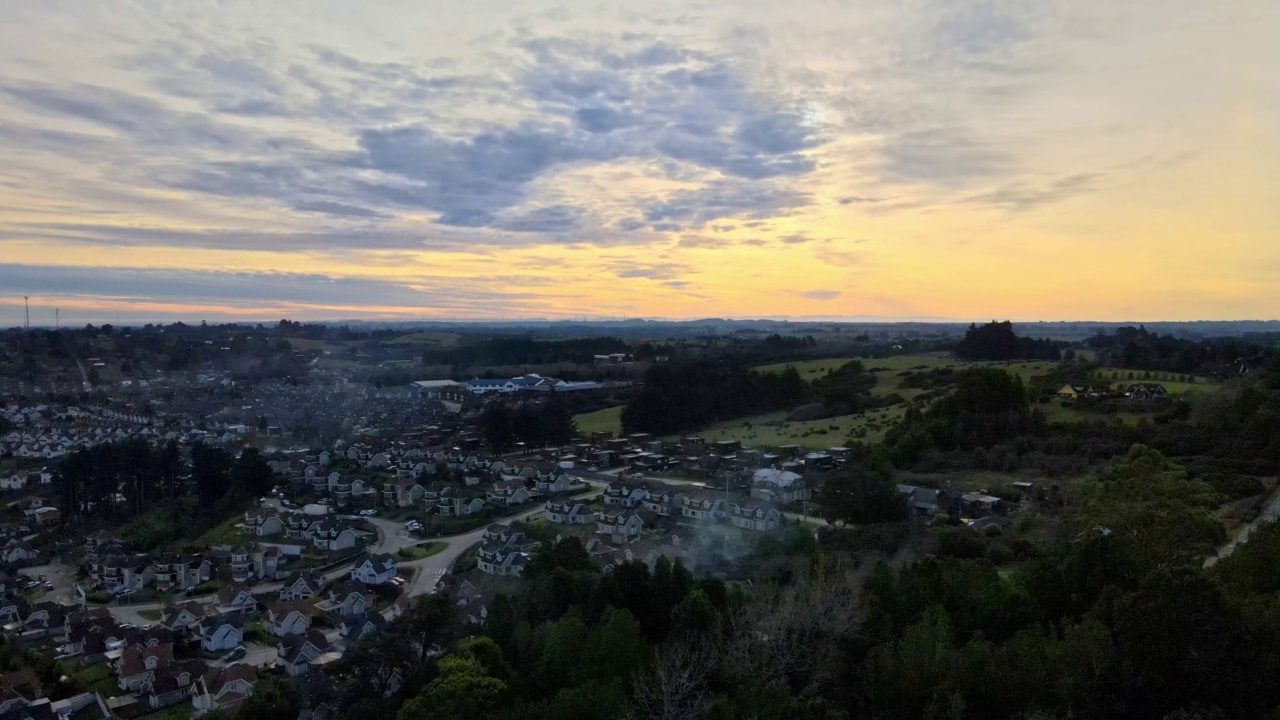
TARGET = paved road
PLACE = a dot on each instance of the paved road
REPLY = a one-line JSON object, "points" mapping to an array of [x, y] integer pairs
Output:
{"points": [[391, 537]]}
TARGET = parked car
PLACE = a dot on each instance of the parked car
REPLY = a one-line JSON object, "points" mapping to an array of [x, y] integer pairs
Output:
{"points": [[235, 654]]}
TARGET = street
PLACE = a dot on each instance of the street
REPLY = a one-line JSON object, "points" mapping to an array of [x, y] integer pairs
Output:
{"points": [[391, 538]]}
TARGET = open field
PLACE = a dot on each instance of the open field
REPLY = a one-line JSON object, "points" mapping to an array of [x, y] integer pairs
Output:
{"points": [[808, 369], [1171, 381], [318, 345], [773, 429], [608, 420], [426, 338]]}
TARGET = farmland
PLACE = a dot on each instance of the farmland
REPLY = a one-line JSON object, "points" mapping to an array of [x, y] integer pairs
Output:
{"points": [[607, 420]]}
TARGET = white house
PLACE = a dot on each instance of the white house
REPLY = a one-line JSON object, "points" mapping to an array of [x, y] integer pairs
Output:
{"points": [[297, 652], [374, 569], [303, 587], [220, 633], [569, 513], [508, 493], [223, 688], [288, 617], [754, 514]]}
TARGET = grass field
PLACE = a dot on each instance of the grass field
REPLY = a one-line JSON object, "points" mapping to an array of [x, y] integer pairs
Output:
{"points": [[1118, 376], [425, 338], [224, 534], [608, 420], [808, 369], [773, 429], [418, 552], [318, 345]]}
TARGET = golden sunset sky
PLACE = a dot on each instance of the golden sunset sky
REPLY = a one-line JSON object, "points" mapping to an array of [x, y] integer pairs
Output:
{"points": [[945, 159]]}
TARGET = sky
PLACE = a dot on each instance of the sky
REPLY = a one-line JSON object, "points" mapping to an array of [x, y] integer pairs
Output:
{"points": [[418, 159]]}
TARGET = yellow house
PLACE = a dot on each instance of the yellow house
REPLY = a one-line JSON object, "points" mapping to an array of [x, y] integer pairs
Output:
{"points": [[1070, 392]]}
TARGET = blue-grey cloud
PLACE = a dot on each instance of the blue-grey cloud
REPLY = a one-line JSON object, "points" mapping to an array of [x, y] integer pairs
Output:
{"points": [[693, 209], [253, 289], [328, 207], [549, 219]]}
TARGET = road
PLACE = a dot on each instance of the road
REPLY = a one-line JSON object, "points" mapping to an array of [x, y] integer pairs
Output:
{"points": [[1270, 513], [391, 538], [431, 569]]}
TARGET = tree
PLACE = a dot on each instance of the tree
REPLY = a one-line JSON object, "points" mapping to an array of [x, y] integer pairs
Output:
{"points": [[251, 475], [862, 495], [271, 699], [463, 691]]}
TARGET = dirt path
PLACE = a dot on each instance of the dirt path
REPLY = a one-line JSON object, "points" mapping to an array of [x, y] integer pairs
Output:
{"points": [[1270, 513]]}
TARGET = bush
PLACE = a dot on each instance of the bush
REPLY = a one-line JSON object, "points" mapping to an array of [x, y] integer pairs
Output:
{"points": [[960, 542]]}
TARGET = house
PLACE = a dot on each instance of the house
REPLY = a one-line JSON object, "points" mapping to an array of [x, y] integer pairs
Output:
{"points": [[404, 492], [303, 587], [1147, 391], [263, 523], [297, 651], [223, 688], [173, 684], [508, 493], [220, 632], [347, 599], [754, 514], [16, 481], [925, 502], [267, 561], [18, 552], [661, 500], [355, 628], [46, 516], [625, 494], [504, 551], [569, 513], [977, 505], [288, 617], [138, 665], [46, 615], [183, 617], [374, 569], [778, 486], [333, 535], [1075, 392], [552, 482], [241, 565], [620, 525], [699, 505], [237, 599], [457, 506]]}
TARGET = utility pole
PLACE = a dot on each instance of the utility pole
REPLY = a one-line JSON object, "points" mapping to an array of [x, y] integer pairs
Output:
{"points": [[26, 303], [57, 319]]}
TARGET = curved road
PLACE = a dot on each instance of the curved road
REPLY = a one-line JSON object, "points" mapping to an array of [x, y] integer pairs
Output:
{"points": [[391, 538]]}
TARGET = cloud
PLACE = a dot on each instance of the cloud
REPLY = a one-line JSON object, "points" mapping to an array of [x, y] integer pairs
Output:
{"points": [[329, 207], [860, 200], [549, 219], [692, 209], [467, 181], [819, 294], [1020, 197], [838, 257], [663, 271], [942, 156]]}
